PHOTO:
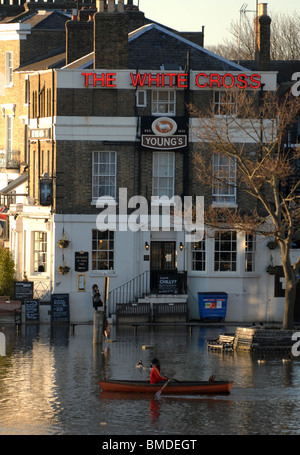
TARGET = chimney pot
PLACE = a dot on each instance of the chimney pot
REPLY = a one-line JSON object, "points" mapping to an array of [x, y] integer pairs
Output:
{"points": [[74, 14], [111, 6], [262, 9], [262, 38], [121, 6], [100, 6]]}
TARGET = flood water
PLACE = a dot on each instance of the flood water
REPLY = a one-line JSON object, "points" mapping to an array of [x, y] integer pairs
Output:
{"points": [[49, 385]]}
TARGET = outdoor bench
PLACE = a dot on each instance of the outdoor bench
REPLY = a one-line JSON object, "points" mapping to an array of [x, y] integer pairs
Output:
{"points": [[224, 342]]}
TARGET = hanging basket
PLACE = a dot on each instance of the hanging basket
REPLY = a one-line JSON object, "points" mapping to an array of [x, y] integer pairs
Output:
{"points": [[63, 243], [63, 269], [272, 245], [271, 270]]}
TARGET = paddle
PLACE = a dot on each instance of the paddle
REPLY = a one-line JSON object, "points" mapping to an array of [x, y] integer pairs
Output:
{"points": [[158, 394]]}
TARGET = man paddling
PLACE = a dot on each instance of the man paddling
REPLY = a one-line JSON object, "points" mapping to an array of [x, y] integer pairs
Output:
{"points": [[155, 376]]}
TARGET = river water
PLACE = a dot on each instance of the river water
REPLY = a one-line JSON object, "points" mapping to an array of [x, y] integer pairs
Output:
{"points": [[49, 385]]}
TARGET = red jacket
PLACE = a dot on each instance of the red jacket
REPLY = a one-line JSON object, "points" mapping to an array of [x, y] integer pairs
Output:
{"points": [[155, 376]]}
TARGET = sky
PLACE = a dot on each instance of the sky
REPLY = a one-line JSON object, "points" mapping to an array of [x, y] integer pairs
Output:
{"points": [[215, 15]]}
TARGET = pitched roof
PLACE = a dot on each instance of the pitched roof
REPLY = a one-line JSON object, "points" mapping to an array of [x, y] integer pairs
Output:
{"points": [[53, 59], [41, 19], [155, 47], [152, 46]]}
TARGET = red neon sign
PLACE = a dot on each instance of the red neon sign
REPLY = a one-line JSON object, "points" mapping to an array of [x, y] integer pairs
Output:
{"points": [[104, 79], [160, 80], [178, 80], [228, 80]]}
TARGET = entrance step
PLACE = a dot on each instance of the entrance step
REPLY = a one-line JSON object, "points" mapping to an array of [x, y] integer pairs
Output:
{"points": [[164, 298]]}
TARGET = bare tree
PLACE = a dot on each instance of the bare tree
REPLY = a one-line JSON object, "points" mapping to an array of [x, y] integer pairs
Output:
{"points": [[252, 134], [285, 38]]}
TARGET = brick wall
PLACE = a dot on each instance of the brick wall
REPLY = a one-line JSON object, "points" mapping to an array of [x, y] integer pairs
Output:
{"points": [[12, 95], [111, 40]]}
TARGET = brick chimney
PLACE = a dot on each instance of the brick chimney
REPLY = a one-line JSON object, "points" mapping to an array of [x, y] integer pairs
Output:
{"points": [[110, 35], [79, 35], [262, 38]]}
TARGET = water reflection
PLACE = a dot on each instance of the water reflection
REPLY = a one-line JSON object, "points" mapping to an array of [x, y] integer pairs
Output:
{"points": [[49, 384]]}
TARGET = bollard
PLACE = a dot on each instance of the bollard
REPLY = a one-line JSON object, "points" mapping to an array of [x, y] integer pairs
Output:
{"points": [[98, 326]]}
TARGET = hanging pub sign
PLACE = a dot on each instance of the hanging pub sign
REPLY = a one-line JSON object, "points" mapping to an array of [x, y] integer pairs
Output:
{"points": [[46, 191], [164, 133]]}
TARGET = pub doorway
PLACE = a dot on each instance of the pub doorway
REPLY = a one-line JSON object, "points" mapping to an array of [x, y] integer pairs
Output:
{"points": [[162, 259]]}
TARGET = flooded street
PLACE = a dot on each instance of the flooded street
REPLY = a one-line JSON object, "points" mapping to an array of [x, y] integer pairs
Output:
{"points": [[49, 385]]}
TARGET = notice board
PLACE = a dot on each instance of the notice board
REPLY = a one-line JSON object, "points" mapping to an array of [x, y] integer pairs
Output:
{"points": [[32, 310], [81, 261], [23, 290], [60, 312]]}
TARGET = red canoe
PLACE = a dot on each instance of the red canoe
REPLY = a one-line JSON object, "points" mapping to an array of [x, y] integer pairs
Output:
{"points": [[176, 388]]}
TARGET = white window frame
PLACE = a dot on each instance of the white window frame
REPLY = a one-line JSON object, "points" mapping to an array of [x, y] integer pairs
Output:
{"points": [[9, 68], [104, 174], [163, 102], [103, 250], [9, 121], [163, 174], [26, 90], [221, 98], [141, 98], [198, 250], [39, 251], [226, 251], [223, 169], [250, 252]]}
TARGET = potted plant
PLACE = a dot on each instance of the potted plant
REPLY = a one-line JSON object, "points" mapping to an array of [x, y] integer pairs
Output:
{"points": [[63, 269], [63, 243]]}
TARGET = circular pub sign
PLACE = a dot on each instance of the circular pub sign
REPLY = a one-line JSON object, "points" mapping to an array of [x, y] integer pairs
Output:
{"points": [[164, 126]]}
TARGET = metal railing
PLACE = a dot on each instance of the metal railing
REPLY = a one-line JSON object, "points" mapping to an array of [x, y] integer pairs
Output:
{"points": [[42, 290], [129, 291]]}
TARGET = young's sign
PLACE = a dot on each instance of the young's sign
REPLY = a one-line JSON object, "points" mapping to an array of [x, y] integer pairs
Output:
{"points": [[164, 133]]}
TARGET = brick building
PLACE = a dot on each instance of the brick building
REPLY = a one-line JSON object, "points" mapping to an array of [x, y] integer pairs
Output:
{"points": [[102, 113]]}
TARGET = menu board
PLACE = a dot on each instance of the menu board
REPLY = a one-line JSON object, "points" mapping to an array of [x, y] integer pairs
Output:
{"points": [[60, 308], [23, 290], [32, 310], [81, 261]]}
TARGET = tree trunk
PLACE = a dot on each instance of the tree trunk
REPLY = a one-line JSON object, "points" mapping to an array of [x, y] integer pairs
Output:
{"points": [[289, 304], [291, 281]]}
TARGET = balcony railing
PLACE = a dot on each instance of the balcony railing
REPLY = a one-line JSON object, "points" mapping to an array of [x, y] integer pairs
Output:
{"points": [[10, 159]]}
